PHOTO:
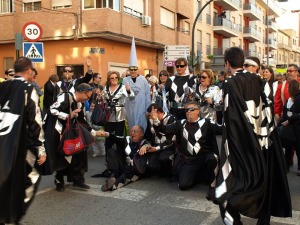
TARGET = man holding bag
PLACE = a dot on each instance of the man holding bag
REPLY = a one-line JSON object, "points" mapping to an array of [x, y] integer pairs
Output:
{"points": [[67, 106]]}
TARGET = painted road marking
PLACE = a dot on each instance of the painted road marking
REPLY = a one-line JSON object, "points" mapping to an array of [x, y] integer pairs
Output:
{"points": [[201, 205]]}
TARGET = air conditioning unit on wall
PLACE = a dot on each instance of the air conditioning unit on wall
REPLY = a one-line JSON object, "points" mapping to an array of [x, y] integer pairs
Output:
{"points": [[146, 21]]}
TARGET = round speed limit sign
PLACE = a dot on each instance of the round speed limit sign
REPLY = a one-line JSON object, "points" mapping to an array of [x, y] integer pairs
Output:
{"points": [[32, 31]]}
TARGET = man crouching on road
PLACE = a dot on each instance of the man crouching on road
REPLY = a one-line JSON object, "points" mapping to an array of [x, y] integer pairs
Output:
{"points": [[197, 160], [129, 163]]}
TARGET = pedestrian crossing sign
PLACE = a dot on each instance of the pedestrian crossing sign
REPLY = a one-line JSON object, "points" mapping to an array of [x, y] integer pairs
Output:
{"points": [[34, 51]]}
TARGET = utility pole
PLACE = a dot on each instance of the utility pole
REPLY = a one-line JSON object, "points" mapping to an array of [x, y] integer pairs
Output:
{"points": [[193, 30]]}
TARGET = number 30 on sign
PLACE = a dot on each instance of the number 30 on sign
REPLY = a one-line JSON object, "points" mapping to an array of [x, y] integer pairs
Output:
{"points": [[32, 31]]}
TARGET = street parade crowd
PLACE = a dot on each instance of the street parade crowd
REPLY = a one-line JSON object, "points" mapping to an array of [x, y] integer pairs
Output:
{"points": [[145, 126]]}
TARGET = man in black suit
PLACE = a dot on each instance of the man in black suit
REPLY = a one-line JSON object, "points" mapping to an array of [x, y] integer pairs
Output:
{"points": [[50, 88]]}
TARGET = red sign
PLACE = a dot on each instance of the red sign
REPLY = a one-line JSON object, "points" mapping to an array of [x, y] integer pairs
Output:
{"points": [[169, 63], [32, 31]]}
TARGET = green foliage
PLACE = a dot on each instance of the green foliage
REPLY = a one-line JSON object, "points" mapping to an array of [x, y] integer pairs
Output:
{"points": [[210, 56]]}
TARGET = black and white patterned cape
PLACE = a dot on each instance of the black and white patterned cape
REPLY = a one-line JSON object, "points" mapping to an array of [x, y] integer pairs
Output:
{"points": [[194, 137], [21, 140], [176, 85], [159, 139], [252, 177]]}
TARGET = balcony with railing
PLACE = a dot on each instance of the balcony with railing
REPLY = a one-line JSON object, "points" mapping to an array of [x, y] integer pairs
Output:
{"points": [[252, 34], [132, 12], [285, 46], [273, 9], [272, 44], [250, 52], [225, 27], [296, 48], [252, 12], [218, 51], [185, 31], [272, 26], [232, 5]]}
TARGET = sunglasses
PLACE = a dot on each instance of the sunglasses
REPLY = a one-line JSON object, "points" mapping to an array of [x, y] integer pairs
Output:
{"points": [[181, 66], [290, 71], [68, 71], [11, 74], [88, 97], [192, 109], [247, 65], [202, 77], [134, 131], [133, 69], [112, 78]]}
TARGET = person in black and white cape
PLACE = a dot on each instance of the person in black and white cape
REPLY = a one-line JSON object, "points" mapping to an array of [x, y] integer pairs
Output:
{"points": [[198, 150], [163, 148], [21, 142], [252, 178], [67, 106], [175, 88]]}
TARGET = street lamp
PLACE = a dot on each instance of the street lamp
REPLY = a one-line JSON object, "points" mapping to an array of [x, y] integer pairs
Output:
{"points": [[193, 30], [267, 33]]}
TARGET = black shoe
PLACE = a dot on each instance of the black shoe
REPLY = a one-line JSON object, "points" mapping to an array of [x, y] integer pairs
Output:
{"points": [[298, 173], [172, 179], [105, 173], [108, 184], [81, 186], [60, 187]]}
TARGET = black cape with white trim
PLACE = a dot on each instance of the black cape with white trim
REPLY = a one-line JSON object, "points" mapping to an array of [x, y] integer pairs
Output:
{"points": [[13, 150], [252, 176]]}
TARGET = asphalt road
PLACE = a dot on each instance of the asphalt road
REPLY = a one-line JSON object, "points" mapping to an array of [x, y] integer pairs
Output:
{"points": [[150, 201]]}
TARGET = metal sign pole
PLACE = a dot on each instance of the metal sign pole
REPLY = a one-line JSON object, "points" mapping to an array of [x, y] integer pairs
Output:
{"points": [[193, 30]]}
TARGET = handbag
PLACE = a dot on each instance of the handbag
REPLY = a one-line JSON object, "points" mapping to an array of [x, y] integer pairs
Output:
{"points": [[75, 138], [287, 133], [99, 115]]}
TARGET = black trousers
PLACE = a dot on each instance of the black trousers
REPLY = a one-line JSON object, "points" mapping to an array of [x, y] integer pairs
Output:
{"points": [[117, 163], [193, 170], [113, 127], [160, 163], [75, 171]]}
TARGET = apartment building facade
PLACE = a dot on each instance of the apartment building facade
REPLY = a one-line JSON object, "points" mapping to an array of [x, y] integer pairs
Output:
{"points": [[74, 29], [248, 24]]}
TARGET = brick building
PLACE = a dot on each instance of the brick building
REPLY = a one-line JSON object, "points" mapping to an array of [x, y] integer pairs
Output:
{"points": [[74, 29]]}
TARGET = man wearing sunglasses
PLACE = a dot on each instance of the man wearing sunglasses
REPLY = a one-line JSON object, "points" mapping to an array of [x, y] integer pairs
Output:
{"points": [[282, 93], [198, 151], [252, 179], [175, 88], [69, 84]]}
